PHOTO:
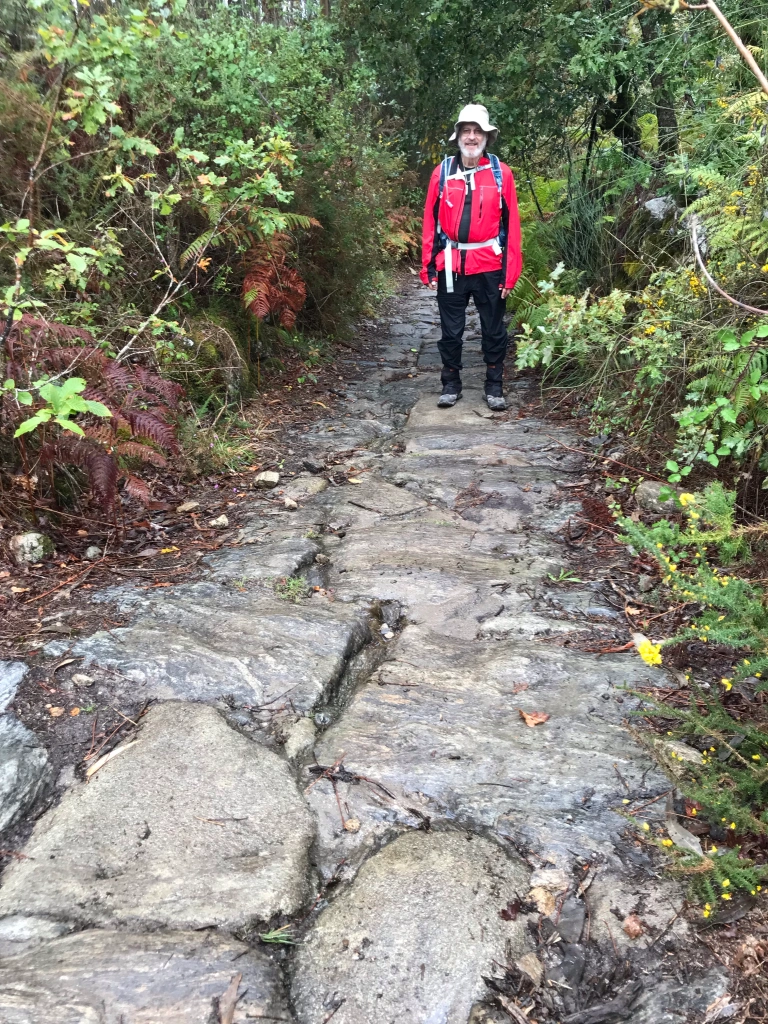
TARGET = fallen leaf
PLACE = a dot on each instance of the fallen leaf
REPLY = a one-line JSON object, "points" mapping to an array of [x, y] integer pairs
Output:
{"points": [[20, 590], [510, 912], [532, 967], [320, 403], [82, 533], [74, 712], [167, 551], [534, 718], [148, 553], [633, 926], [188, 506], [55, 712], [354, 480], [352, 825]]}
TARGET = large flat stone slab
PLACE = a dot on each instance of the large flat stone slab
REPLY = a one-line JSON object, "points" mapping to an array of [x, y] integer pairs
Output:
{"points": [[204, 641], [412, 937], [102, 977], [439, 726], [191, 826]]}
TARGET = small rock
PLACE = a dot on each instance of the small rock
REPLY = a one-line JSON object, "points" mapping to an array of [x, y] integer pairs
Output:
{"points": [[660, 207], [543, 898], [188, 506], [305, 485], [571, 968], [322, 559], [220, 522], [300, 739], [314, 465], [11, 674], [66, 777], [289, 502], [645, 584], [352, 825], [267, 479], [28, 548], [554, 879], [647, 497], [570, 921], [81, 679], [633, 926], [92, 553]]}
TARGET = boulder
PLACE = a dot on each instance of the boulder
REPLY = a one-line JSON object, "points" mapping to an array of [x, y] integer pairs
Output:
{"points": [[11, 674], [191, 825], [28, 548], [24, 770], [647, 497], [413, 936]]}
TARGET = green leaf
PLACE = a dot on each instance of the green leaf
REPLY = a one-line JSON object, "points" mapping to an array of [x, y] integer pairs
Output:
{"points": [[24, 398], [77, 262], [71, 386], [672, 466], [29, 425], [713, 460], [729, 415], [97, 408], [66, 424], [731, 345]]}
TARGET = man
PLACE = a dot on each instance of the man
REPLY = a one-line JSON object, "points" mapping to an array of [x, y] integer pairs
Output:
{"points": [[471, 248]]}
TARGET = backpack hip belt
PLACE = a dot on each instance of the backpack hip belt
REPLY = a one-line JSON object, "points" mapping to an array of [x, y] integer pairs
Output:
{"points": [[462, 247]]}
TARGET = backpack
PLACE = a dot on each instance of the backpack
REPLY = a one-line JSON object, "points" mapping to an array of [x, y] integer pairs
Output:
{"points": [[445, 167]]}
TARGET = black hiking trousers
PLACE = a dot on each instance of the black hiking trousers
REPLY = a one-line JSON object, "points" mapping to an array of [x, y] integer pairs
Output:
{"points": [[484, 289]]}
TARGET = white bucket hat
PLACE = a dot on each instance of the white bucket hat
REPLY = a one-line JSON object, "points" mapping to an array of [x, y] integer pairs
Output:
{"points": [[478, 114]]}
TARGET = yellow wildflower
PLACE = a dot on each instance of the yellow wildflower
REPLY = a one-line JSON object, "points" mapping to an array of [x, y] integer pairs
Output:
{"points": [[726, 882], [727, 683], [687, 499], [725, 896], [666, 842], [650, 653], [646, 827]]}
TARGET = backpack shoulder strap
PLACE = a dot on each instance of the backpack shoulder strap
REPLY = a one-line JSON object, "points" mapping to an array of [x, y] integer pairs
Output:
{"points": [[496, 168], [445, 168]]}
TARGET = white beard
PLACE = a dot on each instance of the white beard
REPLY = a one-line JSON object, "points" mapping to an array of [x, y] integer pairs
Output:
{"points": [[472, 152]]}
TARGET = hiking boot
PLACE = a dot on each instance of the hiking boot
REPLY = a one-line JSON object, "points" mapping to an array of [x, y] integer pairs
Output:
{"points": [[495, 397], [451, 394]]}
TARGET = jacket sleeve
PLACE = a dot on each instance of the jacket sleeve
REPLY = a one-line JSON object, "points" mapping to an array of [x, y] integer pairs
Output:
{"points": [[513, 251], [429, 241]]}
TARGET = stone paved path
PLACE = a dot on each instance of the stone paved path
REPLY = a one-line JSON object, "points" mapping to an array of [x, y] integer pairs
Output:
{"points": [[435, 806]]}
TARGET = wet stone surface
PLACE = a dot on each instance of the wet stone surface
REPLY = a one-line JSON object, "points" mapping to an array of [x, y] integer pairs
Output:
{"points": [[353, 769]]}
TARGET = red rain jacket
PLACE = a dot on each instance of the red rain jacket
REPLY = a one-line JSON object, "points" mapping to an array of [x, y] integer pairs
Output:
{"points": [[484, 224]]}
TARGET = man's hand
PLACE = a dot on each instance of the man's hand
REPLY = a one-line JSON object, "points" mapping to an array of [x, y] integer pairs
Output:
{"points": [[432, 285], [505, 292]]}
